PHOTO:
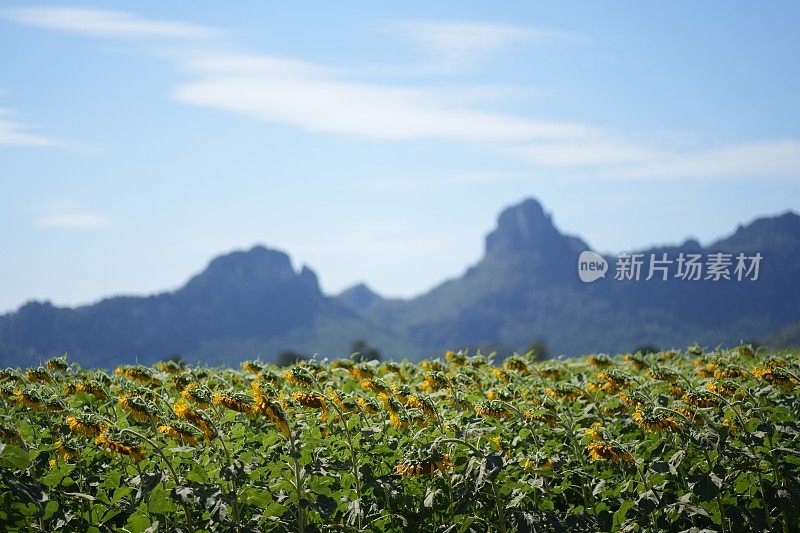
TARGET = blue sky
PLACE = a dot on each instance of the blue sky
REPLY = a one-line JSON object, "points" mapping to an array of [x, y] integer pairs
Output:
{"points": [[139, 139]]}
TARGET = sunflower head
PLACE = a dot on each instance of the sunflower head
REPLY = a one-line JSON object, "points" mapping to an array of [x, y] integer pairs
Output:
{"points": [[57, 364], [650, 419], [600, 360], [38, 375], [493, 409], [417, 462], [604, 451]]}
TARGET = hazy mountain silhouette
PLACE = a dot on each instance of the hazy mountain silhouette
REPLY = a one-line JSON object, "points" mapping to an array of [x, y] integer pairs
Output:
{"points": [[525, 287]]}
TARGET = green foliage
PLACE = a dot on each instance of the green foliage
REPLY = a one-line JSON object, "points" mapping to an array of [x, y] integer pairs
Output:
{"points": [[664, 441]]}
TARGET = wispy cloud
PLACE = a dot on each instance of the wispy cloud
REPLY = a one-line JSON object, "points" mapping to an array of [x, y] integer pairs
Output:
{"points": [[67, 214], [15, 133], [456, 46], [105, 23], [302, 94]]}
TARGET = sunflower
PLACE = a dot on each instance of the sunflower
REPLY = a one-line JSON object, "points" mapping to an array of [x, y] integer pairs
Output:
{"points": [[195, 417], [297, 375], [309, 399], [455, 358], [500, 374], [9, 434], [600, 360], [179, 431], [594, 431], [637, 360], [603, 451], [57, 364], [391, 367], [434, 381], [196, 394], [432, 365], [538, 461], [361, 371], [376, 385], [138, 373], [170, 367], [477, 360], [30, 399], [252, 367], [632, 399], [39, 374], [114, 443], [723, 388], [368, 405], [545, 417], [500, 394], [91, 387], [493, 409], [273, 411], [516, 363], [402, 392], [343, 363], [730, 372], [662, 373], [549, 371], [235, 401], [423, 463], [422, 402], [700, 398], [67, 452], [563, 391], [614, 380], [86, 425], [777, 376], [139, 408], [650, 420]]}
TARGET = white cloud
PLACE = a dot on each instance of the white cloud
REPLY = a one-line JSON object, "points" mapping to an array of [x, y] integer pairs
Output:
{"points": [[104, 23], [302, 94], [14, 133], [455, 46], [74, 220]]}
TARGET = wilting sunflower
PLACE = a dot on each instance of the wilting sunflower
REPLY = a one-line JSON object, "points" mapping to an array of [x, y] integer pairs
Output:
{"points": [[649, 419], [390, 367], [600, 360], [604, 451], [235, 401], [91, 387], [139, 408], [252, 367], [67, 451], [312, 400], [170, 367], [432, 365], [516, 363], [477, 360], [343, 363], [637, 360], [420, 463], [114, 442], [273, 411], [730, 372], [500, 394], [179, 431], [138, 373], [57, 364], [594, 431], [549, 371], [500, 374], [9, 434], [376, 385], [422, 402], [493, 409], [297, 375], [455, 358], [87, 425], [724, 388], [563, 391], [434, 381], [30, 399], [39, 374], [197, 394], [663, 373], [632, 399], [195, 417], [545, 417], [538, 461], [700, 398], [777, 376], [368, 405], [361, 371]]}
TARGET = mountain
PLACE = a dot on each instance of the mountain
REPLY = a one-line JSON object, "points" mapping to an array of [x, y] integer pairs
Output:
{"points": [[244, 303], [525, 287]]}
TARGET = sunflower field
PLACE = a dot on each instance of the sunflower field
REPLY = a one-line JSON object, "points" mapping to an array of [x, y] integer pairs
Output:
{"points": [[670, 441]]}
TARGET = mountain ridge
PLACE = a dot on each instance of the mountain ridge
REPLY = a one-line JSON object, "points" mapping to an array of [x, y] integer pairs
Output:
{"points": [[524, 287]]}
